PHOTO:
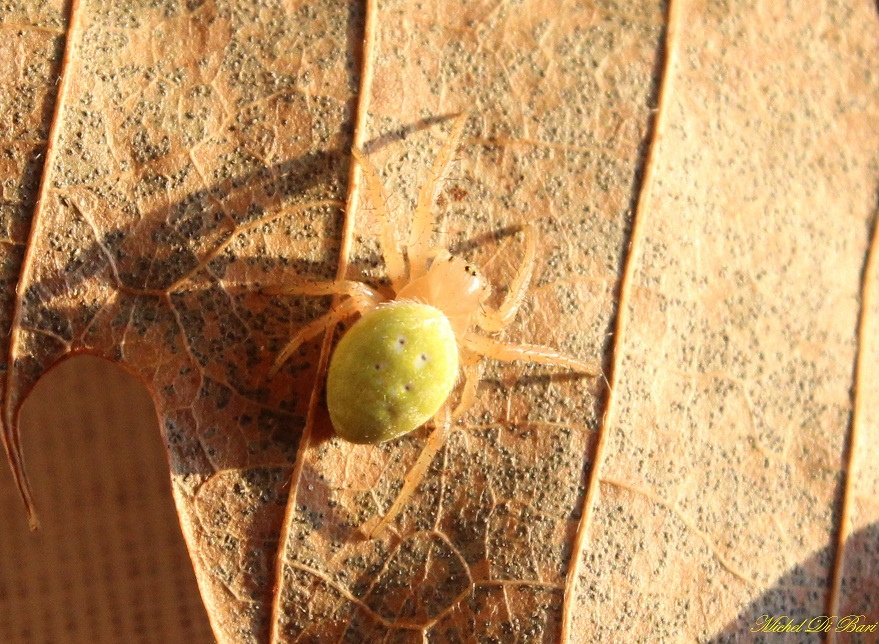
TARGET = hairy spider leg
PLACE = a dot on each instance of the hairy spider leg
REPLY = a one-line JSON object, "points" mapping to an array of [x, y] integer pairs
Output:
{"points": [[350, 288], [442, 425], [494, 320], [390, 244], [423, 219], [497, 350], [472, 372], [361, 298]]}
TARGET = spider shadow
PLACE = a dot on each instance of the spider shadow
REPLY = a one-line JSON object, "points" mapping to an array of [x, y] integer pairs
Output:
{"points": [[136, 267], [141, 265], [479, 241], [402, 133]]}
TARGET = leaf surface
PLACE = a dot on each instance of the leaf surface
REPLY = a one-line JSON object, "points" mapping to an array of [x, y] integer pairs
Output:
{"points": [[710, 250]]}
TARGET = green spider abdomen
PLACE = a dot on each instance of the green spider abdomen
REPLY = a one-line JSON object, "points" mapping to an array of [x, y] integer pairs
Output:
{"points": [[391, 372]]}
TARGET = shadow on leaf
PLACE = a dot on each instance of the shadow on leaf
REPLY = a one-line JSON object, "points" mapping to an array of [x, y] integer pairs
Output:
{"points": [[795, 599]]}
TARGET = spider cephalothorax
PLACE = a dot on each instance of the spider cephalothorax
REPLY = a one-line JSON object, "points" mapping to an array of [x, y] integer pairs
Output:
{"points": [[451, 285]]}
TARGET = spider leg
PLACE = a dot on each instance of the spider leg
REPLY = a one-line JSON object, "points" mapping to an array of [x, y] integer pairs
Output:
{"points": [[494, 320], [497, 350], [357, 290], [472, 372], [314, 328], [415, 475], [375, 191], [423, 219]]}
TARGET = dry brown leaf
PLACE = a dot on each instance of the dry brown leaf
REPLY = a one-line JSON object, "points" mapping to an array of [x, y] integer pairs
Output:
{"points": [[200, 151]]}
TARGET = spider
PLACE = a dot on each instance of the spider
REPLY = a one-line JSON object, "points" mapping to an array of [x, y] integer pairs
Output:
{"points": [[396, 368]]}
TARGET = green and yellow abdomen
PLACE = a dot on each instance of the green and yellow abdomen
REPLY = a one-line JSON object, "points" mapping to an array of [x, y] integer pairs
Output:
{"points": [[391, 372]]}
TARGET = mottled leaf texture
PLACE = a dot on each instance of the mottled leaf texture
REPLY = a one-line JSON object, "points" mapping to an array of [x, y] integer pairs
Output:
{"points": [[704, 181]]}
